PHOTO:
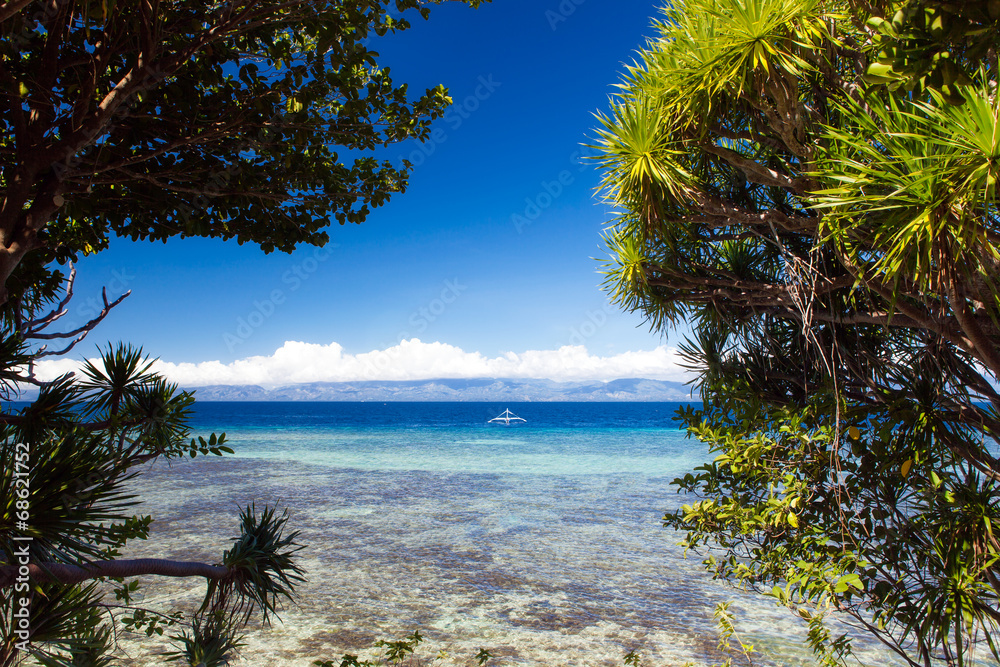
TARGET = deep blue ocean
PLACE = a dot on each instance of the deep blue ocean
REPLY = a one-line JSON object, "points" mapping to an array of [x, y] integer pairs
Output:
{"points": [[541, 541], [557, 438], [435, 415]]}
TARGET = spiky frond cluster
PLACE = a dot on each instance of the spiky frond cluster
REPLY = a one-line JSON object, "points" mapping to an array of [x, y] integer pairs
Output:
{"points": [[66, 512], [812, 186]]}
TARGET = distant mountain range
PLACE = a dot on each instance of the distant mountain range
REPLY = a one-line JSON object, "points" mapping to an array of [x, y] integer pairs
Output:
{"points": [[479, 389]]}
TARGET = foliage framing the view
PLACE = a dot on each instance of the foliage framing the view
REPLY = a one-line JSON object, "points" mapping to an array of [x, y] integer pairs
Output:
{"points": [[812, 185], [152, 119], [246, 120]]}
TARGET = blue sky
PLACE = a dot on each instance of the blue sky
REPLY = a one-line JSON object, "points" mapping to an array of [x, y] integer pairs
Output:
{"points": [[490, 252]]}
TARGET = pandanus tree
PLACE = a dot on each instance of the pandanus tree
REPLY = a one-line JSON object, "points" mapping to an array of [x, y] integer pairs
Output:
{"points": [[68, 463], [812, 186]]}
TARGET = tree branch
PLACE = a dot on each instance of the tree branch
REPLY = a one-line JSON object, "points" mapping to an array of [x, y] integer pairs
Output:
{"points": [[83, 330], [56, 313], [755, 171], [74, 574], [984, 348], [8, 9]]}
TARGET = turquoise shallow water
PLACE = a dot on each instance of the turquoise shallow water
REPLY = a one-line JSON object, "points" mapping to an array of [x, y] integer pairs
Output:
{"points": [[542, 542], [498, 450]]}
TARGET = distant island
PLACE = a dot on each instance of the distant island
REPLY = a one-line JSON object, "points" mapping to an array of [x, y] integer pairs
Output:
{"points": [[478, 389]]}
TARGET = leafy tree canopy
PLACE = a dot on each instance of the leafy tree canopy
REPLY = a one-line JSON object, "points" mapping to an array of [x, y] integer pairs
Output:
{"points": [[812, 186], [150, 119]]}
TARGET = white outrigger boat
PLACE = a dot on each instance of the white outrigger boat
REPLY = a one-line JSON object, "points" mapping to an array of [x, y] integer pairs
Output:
{"points": [[506, 418]]}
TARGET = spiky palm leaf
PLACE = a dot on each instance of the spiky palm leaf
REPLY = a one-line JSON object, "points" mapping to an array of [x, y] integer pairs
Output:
{"points": [[80, 443], [835, 248]]}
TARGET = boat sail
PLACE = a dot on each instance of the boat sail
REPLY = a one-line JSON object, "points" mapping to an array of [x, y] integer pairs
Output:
{"points": [[507, 417]]}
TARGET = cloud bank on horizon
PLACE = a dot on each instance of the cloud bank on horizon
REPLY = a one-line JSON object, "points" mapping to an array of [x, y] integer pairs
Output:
{"points": [[297, 362]]}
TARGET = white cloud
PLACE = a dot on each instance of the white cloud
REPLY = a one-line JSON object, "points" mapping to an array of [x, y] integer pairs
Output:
{"points": [[297, 362]]}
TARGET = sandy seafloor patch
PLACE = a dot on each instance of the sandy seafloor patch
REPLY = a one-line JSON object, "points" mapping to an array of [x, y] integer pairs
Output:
{"points": [[550, 569]]}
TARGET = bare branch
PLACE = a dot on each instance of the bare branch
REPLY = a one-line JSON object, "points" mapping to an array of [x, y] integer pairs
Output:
{"points": [[25, 328], [89, 326]]}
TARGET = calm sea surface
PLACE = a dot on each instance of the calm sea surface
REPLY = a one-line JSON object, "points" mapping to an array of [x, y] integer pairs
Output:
{"points": [[541, 542]]}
